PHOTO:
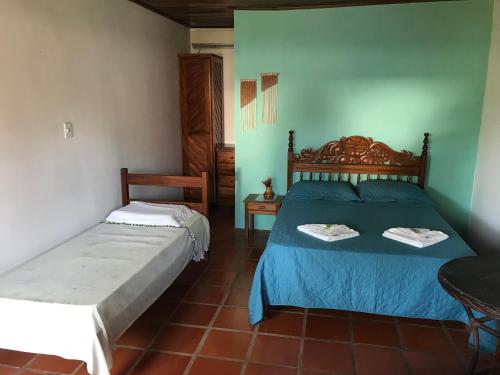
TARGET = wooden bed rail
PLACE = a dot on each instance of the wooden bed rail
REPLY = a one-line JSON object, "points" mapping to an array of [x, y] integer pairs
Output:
{"points": [[356, 156], [128, 179]]}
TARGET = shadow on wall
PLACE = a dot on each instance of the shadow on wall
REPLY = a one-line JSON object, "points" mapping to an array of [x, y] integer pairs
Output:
{"points": [[453, 211], [483, 237]]}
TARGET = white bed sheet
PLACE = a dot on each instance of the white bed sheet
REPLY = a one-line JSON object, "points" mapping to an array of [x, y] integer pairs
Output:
{"points": [[76, 300]]}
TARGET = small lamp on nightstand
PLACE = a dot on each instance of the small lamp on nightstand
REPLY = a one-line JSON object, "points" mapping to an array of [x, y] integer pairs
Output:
{"points": [[268, 194]]}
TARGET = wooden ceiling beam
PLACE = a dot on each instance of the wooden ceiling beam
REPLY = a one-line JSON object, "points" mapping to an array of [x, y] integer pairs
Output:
{"points": [[199, 13]]}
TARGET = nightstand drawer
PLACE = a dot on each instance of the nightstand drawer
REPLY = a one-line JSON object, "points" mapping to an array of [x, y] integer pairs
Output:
{"points": [[262, 206]]}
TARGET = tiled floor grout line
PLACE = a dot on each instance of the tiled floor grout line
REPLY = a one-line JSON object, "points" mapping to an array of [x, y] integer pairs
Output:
{"points": [[27, 364], [282, 336], [381, 321], [276, 364], [372, 319], [210, 324], [272, 365], [351, 343], [250, 349], [78, 368], [215, 328], [302, 341], [403, 349], [38, 371], [11, 367], [219, 358], [43, 372], [182, 354], [164, 324], [255, 328]]}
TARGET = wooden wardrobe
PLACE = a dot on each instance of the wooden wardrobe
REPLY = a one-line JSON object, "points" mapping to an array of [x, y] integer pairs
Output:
{"points": [[202, 117]]}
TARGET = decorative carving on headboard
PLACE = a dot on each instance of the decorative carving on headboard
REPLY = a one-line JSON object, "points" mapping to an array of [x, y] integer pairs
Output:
{"points": [[356, 150]]}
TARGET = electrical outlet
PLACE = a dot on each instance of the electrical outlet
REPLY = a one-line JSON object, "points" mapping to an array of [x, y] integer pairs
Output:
{"points": [[68, 130]]}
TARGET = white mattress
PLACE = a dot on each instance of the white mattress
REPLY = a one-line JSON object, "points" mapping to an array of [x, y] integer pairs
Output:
{"points": [[76, 300]]}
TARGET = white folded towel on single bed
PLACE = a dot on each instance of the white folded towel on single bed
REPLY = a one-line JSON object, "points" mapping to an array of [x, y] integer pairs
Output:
{"points": [[418, 237], [143, 213], [328, 232]]}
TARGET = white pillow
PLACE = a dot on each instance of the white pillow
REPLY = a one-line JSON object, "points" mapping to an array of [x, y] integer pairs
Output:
{"points": [[142, 213]]}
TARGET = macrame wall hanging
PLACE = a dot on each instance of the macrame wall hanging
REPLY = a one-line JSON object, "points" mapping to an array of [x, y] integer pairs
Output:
{"points": [[248, 104], [269, 87]]}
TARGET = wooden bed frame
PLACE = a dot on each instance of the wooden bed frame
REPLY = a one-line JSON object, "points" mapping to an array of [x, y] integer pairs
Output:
{"points": [[356, 155], [167, 181]]}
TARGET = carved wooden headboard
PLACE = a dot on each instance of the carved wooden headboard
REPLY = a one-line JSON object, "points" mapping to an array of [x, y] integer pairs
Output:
{"points": [[358, 156]]}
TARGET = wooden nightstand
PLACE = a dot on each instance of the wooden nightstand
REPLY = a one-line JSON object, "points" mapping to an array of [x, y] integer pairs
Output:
{"points": [[255, 206]]}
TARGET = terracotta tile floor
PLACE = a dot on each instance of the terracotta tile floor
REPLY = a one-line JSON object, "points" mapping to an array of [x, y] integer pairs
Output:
{"points": [[199, 326]]}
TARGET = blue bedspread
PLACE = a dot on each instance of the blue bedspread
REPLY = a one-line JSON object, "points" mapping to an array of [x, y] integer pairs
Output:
{"points": [[369, 273]]}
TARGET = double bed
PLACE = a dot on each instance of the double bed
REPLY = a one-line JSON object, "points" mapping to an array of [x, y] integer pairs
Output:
{"points": [[368, 273], [77, 299]]}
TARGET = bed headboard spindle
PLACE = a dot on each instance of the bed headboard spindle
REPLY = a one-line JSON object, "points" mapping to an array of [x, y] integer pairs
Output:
{"points": [[128, 179]]}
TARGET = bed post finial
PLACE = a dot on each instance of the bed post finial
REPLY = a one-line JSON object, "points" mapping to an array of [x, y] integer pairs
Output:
{"points": [[423, 161], [289, 176], [290, 141], [425, 146], [125, 193], [204, 193]]}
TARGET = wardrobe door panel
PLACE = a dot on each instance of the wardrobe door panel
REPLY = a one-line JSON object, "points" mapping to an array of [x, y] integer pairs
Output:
{"points": [[218, 101], [195, 101], [197, 161]]}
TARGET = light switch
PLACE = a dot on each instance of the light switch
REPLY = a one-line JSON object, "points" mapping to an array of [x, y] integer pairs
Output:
{"points": [[68, 130]]}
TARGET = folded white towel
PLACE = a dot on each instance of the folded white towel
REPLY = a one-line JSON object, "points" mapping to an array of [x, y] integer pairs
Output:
{"points": [[418, 237], [328, 232]]}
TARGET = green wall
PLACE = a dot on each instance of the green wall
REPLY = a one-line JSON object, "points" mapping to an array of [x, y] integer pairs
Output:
{"points": [[390, 72]]}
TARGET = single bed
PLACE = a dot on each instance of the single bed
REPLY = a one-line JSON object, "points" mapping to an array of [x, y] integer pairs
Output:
{"points": [[76, 300], [369, 273]]}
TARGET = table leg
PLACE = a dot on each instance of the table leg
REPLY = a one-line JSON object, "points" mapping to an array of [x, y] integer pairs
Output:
{"points": [[475, 351], [246, 222], [251, 227], [476, 324]]}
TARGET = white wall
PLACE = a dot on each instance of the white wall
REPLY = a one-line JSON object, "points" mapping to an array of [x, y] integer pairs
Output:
{"points": [[485, 211], [110, 67], [221, 36]]}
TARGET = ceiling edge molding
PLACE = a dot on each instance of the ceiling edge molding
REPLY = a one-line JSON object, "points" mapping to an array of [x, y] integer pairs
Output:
{"points": [[338, 4], [159, 12]]}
